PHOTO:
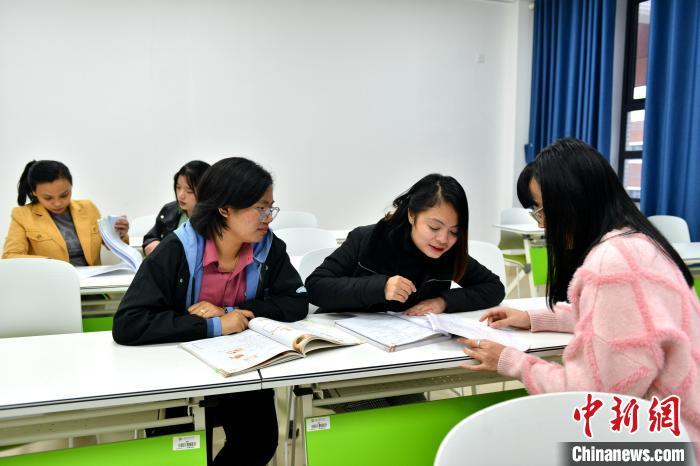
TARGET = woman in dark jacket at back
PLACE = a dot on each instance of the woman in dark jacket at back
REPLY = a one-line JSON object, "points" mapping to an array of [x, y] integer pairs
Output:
{"points": [[173, 214], [408, 260]]}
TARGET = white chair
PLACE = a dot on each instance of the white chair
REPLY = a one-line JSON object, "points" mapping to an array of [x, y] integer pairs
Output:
{"points": [[39, 297], [302, 240], [139, 226], [311, 260], [675, 229], [294, 219], [531, 430], [489, 256]]}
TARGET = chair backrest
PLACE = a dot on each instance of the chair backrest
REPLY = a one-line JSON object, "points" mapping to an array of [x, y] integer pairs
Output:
{"points": [[294, 219], [311, 260], [107, 257], [39, 297], [504, 433], [512, 242], [675, 229], [139, 226], [490, 257], [302, 240]]}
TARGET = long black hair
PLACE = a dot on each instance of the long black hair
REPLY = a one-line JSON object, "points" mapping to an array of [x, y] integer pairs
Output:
{"points": [[583, 200], [428, 192], [234, 182], [41, 171], [192, 172]]}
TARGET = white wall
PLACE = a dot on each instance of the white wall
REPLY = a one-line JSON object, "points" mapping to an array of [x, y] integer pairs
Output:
{"points": [[347, 103]]}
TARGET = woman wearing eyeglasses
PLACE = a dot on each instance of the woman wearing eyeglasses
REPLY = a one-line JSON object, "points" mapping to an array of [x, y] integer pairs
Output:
{"points": [[215, 273], [614, 282]]}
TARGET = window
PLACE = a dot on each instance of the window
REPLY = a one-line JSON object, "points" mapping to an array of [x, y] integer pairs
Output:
{"points": [[634, 93]]}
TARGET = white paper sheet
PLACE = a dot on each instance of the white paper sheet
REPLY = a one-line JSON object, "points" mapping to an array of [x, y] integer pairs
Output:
{"points": [[468, 328], [123, 251]]}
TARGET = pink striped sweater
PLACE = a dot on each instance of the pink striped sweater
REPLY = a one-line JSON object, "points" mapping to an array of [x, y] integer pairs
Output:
{"points": [[636, 327]]}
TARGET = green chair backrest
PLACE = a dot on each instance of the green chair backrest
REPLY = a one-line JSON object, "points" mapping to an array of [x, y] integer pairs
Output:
{"points": [[142, 452], [406, 435], [97, 324], [697, 285]]}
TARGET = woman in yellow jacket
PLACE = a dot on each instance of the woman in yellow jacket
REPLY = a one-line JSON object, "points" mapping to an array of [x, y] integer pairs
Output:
{"points": [[52, 225]]}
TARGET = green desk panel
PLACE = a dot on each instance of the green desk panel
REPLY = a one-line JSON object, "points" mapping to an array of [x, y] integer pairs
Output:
{"points": [[142, 452], [97, 324], [402, 435], [538, 258]]}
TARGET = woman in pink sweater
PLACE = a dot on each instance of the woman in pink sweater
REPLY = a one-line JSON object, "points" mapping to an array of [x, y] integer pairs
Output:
{"points": [[614, 282]]}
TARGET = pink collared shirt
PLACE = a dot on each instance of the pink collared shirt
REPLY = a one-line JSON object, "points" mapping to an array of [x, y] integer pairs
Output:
{"points": [[223, 288]]}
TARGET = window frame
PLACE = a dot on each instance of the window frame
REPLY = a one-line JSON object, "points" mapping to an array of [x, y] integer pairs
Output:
{"points": [[629, 103]]}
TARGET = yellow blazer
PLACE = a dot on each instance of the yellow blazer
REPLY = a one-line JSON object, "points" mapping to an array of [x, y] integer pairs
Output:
{"points": [[33, 233]]}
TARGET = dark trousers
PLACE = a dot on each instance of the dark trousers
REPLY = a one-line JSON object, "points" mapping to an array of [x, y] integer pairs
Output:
{"points": [[249, 421]]}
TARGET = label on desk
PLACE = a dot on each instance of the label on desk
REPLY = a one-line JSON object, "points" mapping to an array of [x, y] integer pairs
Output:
{"points": [[186, 442], [318, 423]]}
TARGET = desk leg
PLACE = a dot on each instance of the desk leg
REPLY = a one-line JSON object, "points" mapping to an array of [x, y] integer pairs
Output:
{"points": [[306, 411], [198, 413]]}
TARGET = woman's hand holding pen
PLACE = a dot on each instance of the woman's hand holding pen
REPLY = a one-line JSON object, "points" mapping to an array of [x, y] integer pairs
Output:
{"points": [[501, 316], [398, 288]]}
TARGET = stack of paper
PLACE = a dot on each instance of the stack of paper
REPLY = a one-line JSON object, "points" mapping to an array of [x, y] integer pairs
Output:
{"points": [[465, 327], [130, 256]]}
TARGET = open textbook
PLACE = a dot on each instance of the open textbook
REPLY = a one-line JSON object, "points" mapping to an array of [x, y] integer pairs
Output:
{"points": [[264, 343], [396, 331]]}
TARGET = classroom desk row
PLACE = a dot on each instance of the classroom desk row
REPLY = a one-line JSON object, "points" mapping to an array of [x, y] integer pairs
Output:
{"points": [[57, 384], [534, 235]]}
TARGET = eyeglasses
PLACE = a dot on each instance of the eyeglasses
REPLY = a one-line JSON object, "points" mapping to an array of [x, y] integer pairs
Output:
{"points": [[267, 212], [537, 214]]}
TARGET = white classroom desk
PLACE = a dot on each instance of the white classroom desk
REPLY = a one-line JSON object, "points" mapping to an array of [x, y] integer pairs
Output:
{"points": [[530, 233], [689, 252], [113, 282], [365, 371], [57, 386], [365, 360], [86, 378]]}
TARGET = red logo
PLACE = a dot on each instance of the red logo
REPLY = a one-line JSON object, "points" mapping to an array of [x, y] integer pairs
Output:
{"points": [[664, 414], [626, 416], [592, 407]]}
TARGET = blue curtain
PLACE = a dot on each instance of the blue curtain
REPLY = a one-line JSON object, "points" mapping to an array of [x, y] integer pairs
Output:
{"points": [[671, 154], [572, 65]]}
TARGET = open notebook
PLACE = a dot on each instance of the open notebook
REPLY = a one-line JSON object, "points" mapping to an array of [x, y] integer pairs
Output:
{"points": [[264, 343], [397, 331]]}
